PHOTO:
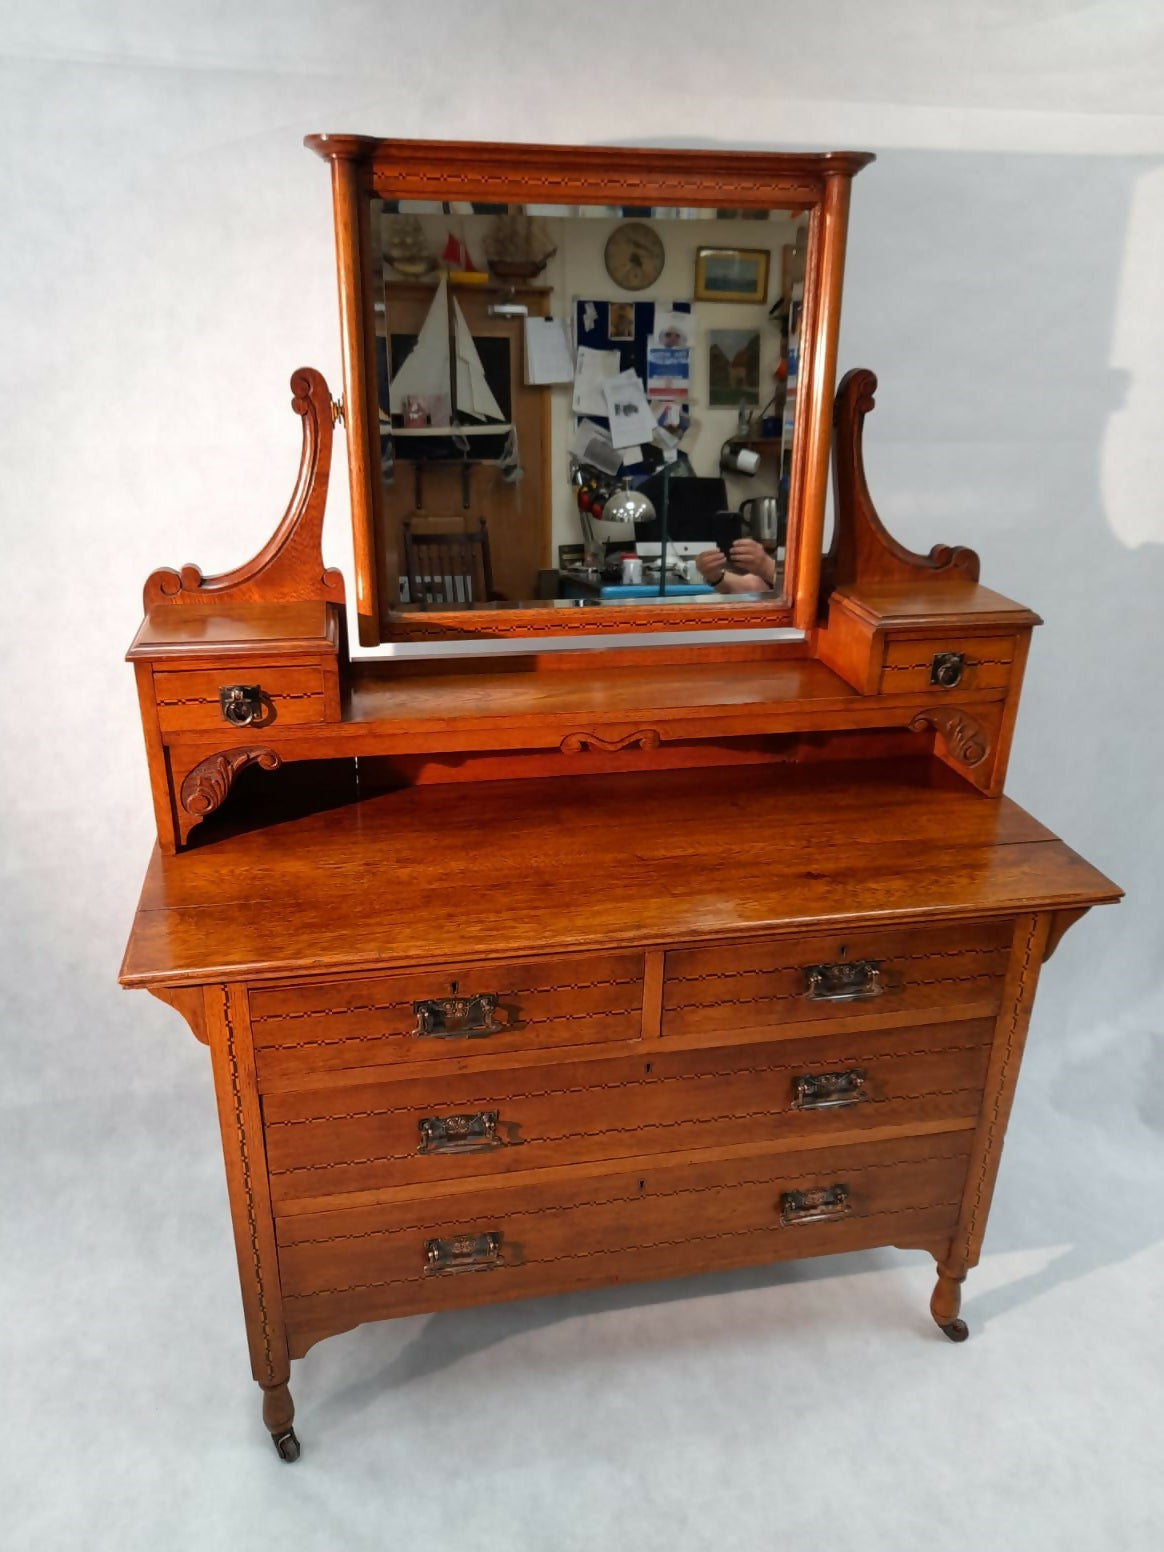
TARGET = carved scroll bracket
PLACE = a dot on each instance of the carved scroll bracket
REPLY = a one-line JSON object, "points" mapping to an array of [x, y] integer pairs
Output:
{"points": [[863, 550], [289, 568], [966, 738], [583, 743], [206, 786]]}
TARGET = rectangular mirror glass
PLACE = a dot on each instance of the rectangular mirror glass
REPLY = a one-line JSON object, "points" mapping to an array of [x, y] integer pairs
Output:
{"points": [[583, 406]]}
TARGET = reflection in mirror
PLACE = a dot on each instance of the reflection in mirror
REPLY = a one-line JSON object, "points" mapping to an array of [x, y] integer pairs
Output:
{"points": [[585, 405]]}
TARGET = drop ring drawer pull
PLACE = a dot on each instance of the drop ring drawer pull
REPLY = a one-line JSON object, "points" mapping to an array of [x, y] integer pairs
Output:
{"points": [[458, 1018], [946, 669], [463, 1253], [819, 1205], [858, 980], [828, 1090], [241, 704], [460, 1133]]}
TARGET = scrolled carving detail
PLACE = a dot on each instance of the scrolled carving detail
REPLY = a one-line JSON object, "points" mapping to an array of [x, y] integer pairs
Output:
{"points": [[965, 737], [583, 743], [206, 786], [289, 568]]}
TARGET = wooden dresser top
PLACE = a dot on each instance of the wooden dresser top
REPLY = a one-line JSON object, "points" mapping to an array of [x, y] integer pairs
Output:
{"points": [[492, 869]]}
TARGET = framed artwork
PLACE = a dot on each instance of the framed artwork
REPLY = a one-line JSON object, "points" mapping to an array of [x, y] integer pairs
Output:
{"points": [[620, 320], [733, 367], [731, 274]]}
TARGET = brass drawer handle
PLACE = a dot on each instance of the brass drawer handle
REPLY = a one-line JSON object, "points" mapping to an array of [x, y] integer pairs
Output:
{"points": [[458, 1018], [828, 1090], [464, 1253], [820, 1205], [460, 1133], [946, 669], [241, 704], [855, 981]]}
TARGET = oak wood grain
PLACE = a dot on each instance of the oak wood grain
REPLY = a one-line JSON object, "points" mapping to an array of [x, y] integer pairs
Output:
{"points": [[368, 885]]}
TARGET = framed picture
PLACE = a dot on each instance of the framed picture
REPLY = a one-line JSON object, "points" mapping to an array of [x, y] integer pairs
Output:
{"points": [[733, 367], [731, 274], [620, 324]]}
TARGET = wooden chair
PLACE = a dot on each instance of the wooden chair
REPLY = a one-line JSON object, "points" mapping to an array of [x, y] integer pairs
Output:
{"points": [[448, 568]]}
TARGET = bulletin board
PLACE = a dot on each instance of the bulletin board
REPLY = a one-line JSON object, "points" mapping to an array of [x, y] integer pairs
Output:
{"points": [[628, 328]]}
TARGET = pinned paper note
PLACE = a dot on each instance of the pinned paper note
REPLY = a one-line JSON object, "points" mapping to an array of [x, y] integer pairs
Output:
{"points": [[592, 369], [591, 445], [547, 353], [630, 416]]}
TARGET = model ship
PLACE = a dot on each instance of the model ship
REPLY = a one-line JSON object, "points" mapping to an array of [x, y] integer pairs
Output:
{"points": [[406, 248], [518, 247], [442, 379]]}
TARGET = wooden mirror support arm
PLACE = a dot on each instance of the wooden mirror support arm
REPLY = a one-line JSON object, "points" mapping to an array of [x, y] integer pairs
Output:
{"points": [[260, 647], [289, 568], [863, 550]]}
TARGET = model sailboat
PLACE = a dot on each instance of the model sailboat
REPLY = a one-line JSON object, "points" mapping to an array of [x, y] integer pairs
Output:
{"points": [[442, 380]]}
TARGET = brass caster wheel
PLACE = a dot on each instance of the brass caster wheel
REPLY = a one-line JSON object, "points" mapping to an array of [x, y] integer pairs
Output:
{"points": [[286, 1445], [956, 1330]]}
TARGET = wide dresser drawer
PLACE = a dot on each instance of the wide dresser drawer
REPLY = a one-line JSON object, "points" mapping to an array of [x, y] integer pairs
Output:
{"points": [[769, 983], [370, 1136], [437, 1251], [460, 1009]]}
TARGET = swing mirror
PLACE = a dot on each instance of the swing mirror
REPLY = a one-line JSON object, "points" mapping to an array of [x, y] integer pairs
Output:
{"points": [[589, 398]]}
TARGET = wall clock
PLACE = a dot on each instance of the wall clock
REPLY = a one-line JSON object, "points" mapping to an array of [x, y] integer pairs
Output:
{"points": [[634, 256]]}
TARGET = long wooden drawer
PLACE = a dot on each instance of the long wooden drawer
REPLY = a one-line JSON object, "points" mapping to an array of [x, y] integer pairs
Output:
{"points": [[372, 1136], [499, 1008], [189, 700], [339, 1268], [946, 664], [949, 971]]}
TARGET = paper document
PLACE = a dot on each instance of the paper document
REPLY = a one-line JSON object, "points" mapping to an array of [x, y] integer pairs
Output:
{"points": [[547, 354], [593, 368], [630, 416], [591, 445]]}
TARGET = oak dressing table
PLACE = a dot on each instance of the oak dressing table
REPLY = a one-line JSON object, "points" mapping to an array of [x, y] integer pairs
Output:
{"points": [[542, 969]]}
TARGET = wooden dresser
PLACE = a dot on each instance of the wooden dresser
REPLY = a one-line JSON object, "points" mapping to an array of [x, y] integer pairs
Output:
{"points": [[536, 973]]}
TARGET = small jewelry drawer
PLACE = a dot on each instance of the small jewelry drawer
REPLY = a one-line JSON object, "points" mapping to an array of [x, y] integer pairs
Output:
{"points": [[947, 664], [214, 699], [388, 1135], [730, 988], [463, 1010], [339, 1267]]}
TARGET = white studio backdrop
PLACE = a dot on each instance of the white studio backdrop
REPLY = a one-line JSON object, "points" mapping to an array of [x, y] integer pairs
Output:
{"points": [[166, 261]]}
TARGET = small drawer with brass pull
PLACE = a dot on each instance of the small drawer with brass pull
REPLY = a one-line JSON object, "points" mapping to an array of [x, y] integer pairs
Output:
{"points": [[835, 978], [460, 1133], [857, 980], [206, 700], [931, 662], [463, 1253], [438, 1014], [819, 1205], [828, 1090], [458, 1018]]}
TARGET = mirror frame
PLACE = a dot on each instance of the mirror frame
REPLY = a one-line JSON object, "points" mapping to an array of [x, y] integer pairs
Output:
{"points": [[817, 184]]}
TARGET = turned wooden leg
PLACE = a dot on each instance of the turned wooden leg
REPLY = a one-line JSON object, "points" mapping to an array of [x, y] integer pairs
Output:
{"points": [[278, 1414], [947, 1301]]}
